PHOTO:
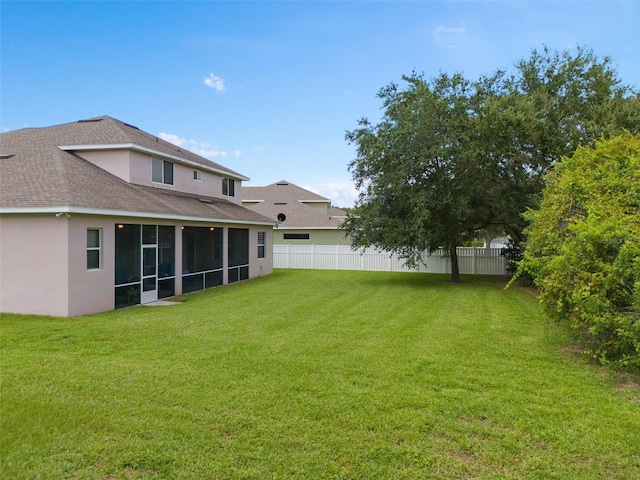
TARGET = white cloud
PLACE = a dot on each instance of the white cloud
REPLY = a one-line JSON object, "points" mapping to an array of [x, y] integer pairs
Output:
{"points": [[215, 82], [203, 149], [341, 193], [441, 30], [171, 138], [448, 36]]}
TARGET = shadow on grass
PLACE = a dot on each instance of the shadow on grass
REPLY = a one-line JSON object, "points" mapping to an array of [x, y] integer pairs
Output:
{"points": [[417, 280]]}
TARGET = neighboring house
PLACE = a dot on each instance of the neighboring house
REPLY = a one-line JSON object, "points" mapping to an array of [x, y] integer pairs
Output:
{"points": [[97, 214], [499, 242], [304, 217]]}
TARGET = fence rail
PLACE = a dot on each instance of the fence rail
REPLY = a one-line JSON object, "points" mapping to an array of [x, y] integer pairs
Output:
{"points": [[481, 261]]}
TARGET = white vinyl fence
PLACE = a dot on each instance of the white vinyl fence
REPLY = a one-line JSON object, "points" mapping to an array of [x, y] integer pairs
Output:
{"points": [[485, 261]]}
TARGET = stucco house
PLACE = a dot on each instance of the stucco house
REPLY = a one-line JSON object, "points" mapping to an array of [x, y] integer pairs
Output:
{"points": [[303, 217], [98, 214]]}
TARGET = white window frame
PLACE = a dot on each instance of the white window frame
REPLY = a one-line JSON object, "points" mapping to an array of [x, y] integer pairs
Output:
{"points": [[262, 243], [197, 176], [228, 187], [163, 180], [97, 248]]}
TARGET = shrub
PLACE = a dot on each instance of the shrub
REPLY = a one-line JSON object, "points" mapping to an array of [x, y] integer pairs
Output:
{"points": [[583, 248], [514, 253]]}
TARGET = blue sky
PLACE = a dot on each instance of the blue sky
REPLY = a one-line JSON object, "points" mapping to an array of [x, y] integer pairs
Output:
{"points": [[270, 88]]}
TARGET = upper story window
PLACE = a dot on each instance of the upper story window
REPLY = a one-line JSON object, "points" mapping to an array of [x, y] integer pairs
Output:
{"points": [[161, 171], [229, 187], [197, 175]]}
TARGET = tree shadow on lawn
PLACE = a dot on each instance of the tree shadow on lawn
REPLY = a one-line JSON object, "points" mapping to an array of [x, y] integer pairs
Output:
{"points": [[419, 280]]}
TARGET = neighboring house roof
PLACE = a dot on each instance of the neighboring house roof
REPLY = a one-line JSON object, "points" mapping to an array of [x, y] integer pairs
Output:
{"points": [[335, 212], [36, 175], [292, 201]]}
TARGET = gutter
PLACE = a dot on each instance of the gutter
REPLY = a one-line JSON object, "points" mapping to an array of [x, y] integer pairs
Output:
{"points": [[123, 213]]}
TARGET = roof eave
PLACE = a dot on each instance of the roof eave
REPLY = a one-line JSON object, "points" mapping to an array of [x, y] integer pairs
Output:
{"points": [[124, 213], [280, 227]]}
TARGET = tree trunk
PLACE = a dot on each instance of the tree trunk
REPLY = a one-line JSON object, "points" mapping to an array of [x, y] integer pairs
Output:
{"points": [[455, 269]]}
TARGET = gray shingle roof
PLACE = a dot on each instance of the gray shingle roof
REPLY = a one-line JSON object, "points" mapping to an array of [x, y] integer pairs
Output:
{"points": [[36, 174], [109, 131], [287, 198]]}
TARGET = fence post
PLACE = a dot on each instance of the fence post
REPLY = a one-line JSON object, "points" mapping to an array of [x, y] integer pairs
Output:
{"points": [[473, 262]]}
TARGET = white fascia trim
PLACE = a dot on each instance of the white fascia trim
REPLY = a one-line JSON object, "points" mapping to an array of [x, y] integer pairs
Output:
{"points": [[280, 227], [315, 201], [156, 153], [124, 213]]}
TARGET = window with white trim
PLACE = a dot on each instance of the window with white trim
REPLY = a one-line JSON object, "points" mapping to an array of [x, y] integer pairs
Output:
{"points": [[229, 187], [93, 248], [197, 175], [261, 244], [161, 171]]}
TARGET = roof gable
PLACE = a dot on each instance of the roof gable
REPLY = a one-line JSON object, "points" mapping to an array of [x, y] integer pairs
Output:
{"points": [[282, 191], [291, 200]]}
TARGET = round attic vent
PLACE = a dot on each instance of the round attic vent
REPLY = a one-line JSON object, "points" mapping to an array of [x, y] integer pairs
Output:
{"points": [[281, 217]]}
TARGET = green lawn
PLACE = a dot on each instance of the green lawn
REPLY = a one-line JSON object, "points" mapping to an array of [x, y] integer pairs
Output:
{"points": [[314, 374]]}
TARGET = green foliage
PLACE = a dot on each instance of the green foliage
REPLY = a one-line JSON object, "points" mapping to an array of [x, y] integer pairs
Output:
{"points": [[473, 243], [514, 254], [554, 103], [417, 170], [584, 248], [452, 156]]}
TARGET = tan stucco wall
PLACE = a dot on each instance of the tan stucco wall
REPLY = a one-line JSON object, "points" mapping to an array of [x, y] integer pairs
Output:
{"points": [[33, 260], [320, 206], [43, 267], [116, 162], [260, 266], [91, 291], [210, 186], [135, 167], [141, 170], [316, 237]]}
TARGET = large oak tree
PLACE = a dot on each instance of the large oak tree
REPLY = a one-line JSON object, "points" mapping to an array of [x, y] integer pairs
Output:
{"points": [[554, 103], [452, 156], [417, 170]]}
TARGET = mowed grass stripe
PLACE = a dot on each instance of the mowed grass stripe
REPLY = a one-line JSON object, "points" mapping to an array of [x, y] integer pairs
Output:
{"points": [[313, 374]]}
